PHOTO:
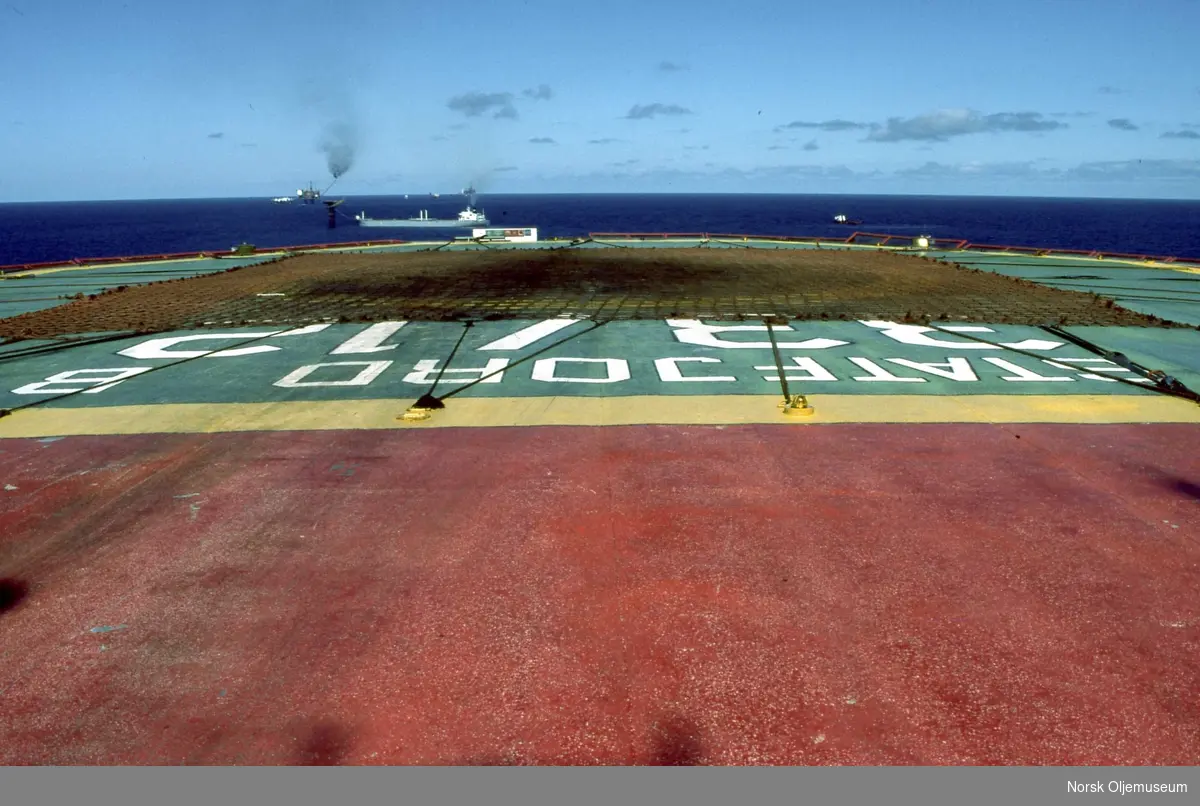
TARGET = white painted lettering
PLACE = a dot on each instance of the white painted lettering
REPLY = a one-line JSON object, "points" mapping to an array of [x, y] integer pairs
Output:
{"points": [[918, 335], [426, 371], [668, 370], [815, 372], [369, 372], [1093, 365], [878, 373], [1019, 373], [528, 335], [303, 331], [693, 331], [616, 370], [370, 340], [956, 369], [70, 381], [157, 348]]}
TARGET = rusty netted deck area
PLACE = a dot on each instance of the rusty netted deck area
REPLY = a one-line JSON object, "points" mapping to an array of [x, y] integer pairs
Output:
{"points": [[609, 284]]}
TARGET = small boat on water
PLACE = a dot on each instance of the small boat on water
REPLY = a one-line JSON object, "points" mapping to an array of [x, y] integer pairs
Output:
{"points": [[842, 219]]}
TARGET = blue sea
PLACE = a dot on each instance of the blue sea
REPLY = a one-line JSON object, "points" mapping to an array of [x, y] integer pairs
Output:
{"points": [[37, 232]]}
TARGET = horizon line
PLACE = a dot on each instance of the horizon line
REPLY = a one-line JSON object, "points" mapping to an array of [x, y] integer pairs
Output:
{"points": [[631, 193]]}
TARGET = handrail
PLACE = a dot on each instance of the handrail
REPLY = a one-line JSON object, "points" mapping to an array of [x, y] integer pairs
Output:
{"points": [[855, 238], [935, 244], [595, 235]]}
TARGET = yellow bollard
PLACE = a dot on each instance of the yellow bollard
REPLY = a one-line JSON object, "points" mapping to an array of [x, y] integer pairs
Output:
{"points": [[797, 406]]}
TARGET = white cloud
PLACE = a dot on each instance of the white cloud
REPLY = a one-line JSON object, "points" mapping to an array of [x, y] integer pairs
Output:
{"points": [[474, 104], [646, 111], [943, 124]]}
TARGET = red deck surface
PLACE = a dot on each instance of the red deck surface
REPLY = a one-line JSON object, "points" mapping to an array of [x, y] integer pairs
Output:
{"points": [[963, 594]]}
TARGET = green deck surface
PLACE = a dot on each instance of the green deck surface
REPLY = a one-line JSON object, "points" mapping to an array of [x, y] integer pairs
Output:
{"points": [[949, 366], [38, 290], [1168, 293]]}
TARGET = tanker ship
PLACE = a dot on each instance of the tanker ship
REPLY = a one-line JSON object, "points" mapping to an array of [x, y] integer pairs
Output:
{"points": [[470, 217]]}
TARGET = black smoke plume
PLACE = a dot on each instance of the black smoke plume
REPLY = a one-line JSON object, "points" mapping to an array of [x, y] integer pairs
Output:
{"points": [[339, 144]]}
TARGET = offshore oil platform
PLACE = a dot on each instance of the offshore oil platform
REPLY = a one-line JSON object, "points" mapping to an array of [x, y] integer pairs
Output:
{"points": [[309, 195]]}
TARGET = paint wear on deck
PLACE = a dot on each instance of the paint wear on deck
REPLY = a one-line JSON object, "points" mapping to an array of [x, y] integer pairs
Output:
{"points": [[873, 594]]}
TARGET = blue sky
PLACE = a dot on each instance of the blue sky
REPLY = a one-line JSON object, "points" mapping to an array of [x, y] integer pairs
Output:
{"points": [[135, 99]]}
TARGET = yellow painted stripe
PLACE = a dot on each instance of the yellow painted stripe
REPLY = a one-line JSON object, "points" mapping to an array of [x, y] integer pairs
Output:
{"points": [[1110, 262], [202, 418]]}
